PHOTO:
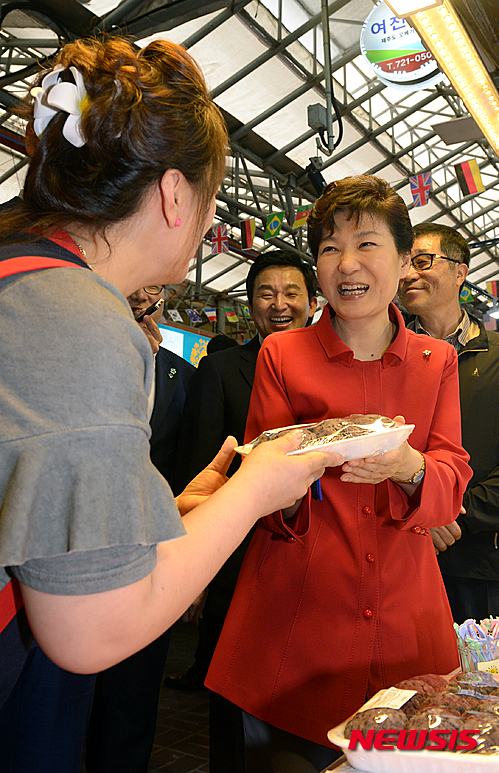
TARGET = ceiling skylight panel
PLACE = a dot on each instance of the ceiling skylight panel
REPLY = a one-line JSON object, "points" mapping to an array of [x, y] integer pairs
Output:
{"points": [[180, 33], [226, 50], [355, 78], [293, 14], [260, 90]]}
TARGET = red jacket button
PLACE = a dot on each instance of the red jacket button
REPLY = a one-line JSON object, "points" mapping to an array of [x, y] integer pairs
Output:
{"points": [[370, 558], [368, 613], [366, 510], [416, 529], [290, 539]]}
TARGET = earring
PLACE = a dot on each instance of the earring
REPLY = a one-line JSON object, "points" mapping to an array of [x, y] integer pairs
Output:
{"points": [[178, 222]]}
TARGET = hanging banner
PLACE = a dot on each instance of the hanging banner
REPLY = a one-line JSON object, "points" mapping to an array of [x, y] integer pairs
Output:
{"points": [[211, 314], [274, 223], [469, 177], [219, 239], [175, 315], [193, 315], [248, 228], [395, 52], [420, 188], [230, 314], [301, 215], [465, 295]]}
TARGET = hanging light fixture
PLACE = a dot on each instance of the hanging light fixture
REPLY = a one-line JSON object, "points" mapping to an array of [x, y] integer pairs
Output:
{"points": [[441, 29]]}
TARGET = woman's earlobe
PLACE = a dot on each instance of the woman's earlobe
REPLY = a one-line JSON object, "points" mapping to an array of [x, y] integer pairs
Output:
{"points": [[169, 188]]}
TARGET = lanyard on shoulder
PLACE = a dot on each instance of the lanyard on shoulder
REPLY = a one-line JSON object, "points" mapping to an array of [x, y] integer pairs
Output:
{"points": [[25, 257]]}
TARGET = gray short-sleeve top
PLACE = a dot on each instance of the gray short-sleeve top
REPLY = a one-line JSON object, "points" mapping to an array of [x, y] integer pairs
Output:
{"points": [[82, 506]]}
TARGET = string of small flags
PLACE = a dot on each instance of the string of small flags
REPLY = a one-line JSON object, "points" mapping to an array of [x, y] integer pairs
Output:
{"points": [[467, 174], [273, 225], [195, 316]]}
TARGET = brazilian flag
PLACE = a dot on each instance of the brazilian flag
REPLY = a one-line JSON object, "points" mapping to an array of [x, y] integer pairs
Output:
{"points": [[274, 223], [465, 296]]}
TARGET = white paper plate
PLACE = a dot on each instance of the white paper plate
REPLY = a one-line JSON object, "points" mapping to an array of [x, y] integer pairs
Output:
{"points": [[353, 448], [423, 761]]}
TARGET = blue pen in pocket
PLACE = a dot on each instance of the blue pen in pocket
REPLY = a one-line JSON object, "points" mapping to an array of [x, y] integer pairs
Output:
{"points": [[316, 490]]}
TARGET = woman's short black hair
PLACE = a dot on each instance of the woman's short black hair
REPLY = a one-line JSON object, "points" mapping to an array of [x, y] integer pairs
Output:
{"points": [[363, 194]]}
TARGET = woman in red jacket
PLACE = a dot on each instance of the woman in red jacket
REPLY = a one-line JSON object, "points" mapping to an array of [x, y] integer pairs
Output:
{"points": [[341, 596]]}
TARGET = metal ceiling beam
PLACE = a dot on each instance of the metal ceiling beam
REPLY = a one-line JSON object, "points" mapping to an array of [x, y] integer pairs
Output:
{"points": [[370, 135], [480, 267], [224, 271], [314, 81], [14, 169], [484, 211], [487, 229], [119, 13], [217, 21], [75, 19], [29, 43], [278, 48], [26, 72], [9, 100], [443, 160], [394, 157], [465, 199], [345, 112], [488, 276], [166, 17]]}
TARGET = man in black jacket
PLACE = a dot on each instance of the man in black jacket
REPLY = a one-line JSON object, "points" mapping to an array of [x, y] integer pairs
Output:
{"points": [[123, 719], [468, 549], [281, 291]]}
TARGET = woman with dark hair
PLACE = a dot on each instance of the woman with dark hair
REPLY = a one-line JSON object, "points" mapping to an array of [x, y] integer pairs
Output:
{"points": [[341, 595], [128, 154]]}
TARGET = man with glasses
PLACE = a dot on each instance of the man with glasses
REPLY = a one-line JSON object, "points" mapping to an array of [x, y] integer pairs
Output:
{"points": [[468, 549]]}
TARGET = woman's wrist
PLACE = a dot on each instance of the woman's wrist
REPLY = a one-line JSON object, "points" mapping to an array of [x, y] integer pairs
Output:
{"points": [[412, 474]]}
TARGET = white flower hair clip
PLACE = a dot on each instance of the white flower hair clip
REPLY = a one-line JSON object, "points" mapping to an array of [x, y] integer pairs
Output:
{"points": [[55, 95]]}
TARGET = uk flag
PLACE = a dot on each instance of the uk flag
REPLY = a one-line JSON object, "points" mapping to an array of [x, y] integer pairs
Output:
{"points": [[219, 239], [420, 188]]}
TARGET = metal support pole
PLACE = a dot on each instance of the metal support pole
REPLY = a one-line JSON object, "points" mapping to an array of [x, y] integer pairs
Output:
{"points": [[199, 272], [220, 316], [329, 146]]}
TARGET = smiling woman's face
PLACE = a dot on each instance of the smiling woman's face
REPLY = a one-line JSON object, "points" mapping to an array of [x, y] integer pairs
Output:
{"points": [[359, 268]]}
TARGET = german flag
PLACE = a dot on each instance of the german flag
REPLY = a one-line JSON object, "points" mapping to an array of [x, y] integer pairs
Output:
{"points": [[248, 228], [468, 177]]}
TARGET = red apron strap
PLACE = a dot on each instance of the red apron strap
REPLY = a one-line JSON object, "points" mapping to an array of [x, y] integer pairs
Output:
{"points": [[26, 263], [10, 596], [10, 603]]}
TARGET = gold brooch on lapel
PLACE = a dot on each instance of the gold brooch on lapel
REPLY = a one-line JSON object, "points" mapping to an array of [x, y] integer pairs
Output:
{"points": [[426, 353]]}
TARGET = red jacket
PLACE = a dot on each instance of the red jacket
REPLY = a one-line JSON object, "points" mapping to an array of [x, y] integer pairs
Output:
{"points": [[345, 598]]}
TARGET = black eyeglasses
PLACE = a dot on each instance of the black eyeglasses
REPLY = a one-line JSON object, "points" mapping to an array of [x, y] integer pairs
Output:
{"points": [[425, 261], [153, 289]]}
